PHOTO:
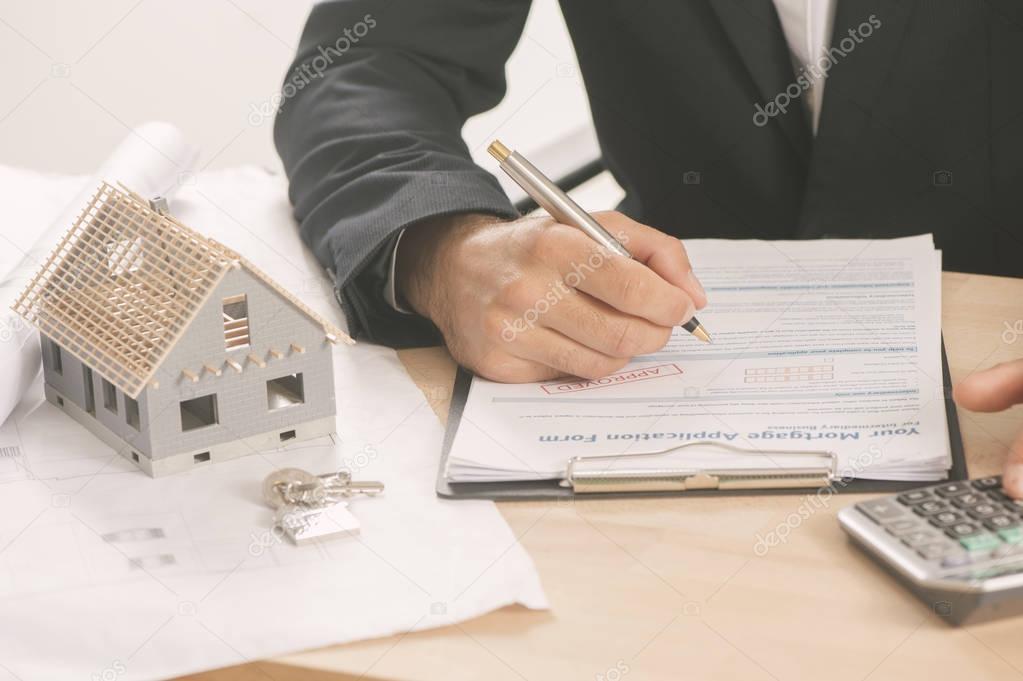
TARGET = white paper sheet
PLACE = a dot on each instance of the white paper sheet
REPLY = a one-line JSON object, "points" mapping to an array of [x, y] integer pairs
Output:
{"points": [[818, 345], [107, 573]]}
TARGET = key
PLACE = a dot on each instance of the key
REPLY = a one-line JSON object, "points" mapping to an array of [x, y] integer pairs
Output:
{"points": [[304, 525], [936, 550], [914, 539], [980, 544], [962, 530], [983, 511], [951, 489], [931, 507], [351, 488], [1015, 505], [968, 499], [914, 497], [296, 486], [1001, 522], [1011, 535], [955, 560], [987, 483], [277, 484], [946, 519], [881, 510], [902, 526]]}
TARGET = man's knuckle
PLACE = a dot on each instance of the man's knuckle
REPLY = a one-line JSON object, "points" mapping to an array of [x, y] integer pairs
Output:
{"points": [[548, 242], [635, 290], [626, 340], [678, 251], [517, 294], [495, 326]]}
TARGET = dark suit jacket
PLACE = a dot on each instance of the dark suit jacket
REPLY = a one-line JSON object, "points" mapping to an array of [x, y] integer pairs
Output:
{"points": [[921, 128]]}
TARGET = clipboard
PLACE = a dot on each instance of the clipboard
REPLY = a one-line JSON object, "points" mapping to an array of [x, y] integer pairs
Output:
{"points": [[679, 482]]}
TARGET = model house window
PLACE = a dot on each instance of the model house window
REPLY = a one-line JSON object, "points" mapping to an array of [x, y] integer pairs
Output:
{"points": [[199, 412], [109, 396], [56, 358], [131, 412], [90, 391], [286, 391], [236, 322]]}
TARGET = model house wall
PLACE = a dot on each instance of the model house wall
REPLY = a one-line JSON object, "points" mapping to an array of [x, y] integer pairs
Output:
{"points": [[69, 386], [242, 406]]}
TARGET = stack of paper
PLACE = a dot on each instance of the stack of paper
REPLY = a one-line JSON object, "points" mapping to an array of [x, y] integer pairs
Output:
{"points": [[828, 345]]}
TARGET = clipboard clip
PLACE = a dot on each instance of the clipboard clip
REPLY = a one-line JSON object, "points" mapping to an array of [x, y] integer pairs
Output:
{"points": [[586, 475]]}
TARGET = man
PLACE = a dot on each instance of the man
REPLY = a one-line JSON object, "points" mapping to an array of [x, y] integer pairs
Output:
{"points": [[803, 118]]}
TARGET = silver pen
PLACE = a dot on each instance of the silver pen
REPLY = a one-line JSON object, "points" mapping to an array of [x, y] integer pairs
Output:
{"points": [[562, 208]]}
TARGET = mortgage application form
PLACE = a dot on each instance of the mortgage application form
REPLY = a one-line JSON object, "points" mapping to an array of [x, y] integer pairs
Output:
{"points": [[830, 345]]}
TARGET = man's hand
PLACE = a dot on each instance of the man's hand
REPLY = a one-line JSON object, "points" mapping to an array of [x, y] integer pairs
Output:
{"points": [[996, 389], [531, 299]]}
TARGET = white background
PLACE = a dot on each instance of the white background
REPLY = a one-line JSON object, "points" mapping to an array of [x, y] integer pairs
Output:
{"points": [[77, 75]]}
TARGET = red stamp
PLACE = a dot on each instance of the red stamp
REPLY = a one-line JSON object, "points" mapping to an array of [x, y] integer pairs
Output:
{"points": [[628, 376]]}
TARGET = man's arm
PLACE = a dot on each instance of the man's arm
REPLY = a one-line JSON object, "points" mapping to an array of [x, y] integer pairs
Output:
{"points": [[369, 130]]}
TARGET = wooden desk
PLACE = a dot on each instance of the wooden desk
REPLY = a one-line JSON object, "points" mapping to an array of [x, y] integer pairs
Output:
{"points": [[672, 588]]}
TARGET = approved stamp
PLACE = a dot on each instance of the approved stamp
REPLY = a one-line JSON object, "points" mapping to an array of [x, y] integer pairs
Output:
{"points": [[628, 376]]}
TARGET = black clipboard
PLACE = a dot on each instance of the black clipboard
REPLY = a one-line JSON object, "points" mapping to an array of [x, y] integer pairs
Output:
{"points": [[533, 490]]}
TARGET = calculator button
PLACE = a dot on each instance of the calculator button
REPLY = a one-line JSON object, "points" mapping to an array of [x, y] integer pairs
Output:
{"points": [[951, 489], [980, 543], [1014, 505], [931, 507], [1006, 550], [1001, 522], [983, 511], [914, 539], [956, 560], [961, 530], [903, 525], [983, 484], [999, 495], [1011, 535], [880, 510], [968, 499], [936, 550], [914, 497], [947, 519]]}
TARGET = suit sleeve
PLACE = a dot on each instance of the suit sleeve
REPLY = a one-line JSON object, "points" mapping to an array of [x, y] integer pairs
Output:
{"points": [[369, 130]]}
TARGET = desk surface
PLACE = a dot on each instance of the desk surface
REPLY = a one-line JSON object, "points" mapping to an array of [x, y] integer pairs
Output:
{"points": [[671, 588]]}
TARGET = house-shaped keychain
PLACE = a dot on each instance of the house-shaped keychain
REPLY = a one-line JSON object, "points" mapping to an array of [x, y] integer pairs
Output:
{"points": [[171, 347]]}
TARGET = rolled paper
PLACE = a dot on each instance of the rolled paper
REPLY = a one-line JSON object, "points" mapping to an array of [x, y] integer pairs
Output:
{"points": [[152, 160]]}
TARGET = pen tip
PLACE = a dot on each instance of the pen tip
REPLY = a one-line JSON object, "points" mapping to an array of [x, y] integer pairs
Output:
{"points": [[498, 150], [700, 333]]}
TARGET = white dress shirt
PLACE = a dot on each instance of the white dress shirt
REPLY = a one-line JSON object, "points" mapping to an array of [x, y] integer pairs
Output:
{"points": [[807, 25]]}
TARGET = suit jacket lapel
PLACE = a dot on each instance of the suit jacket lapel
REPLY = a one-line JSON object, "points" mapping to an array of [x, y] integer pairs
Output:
{"points": [[755, 32]]}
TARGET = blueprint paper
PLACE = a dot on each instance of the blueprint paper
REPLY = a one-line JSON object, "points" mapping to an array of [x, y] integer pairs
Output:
{"points": [[106, 572]]}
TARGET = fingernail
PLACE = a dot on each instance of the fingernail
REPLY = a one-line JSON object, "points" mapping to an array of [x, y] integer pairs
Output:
{"points": [[698, 287]]}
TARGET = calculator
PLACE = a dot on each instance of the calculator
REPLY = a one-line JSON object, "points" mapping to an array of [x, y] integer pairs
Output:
{"points": [[958, 546]]}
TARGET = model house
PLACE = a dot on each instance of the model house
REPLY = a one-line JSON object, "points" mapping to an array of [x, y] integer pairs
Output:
{"points": [[170, 346]]}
